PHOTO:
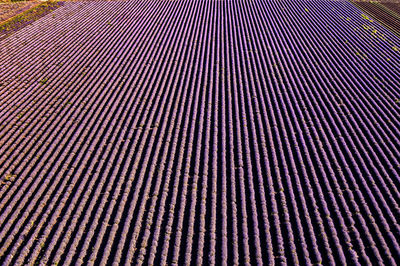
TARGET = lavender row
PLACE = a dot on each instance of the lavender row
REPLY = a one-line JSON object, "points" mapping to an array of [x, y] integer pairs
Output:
{"points": [[207, 132]]}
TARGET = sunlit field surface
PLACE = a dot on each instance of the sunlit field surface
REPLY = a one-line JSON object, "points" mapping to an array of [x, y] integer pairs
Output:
{"points": [[202, 132]]}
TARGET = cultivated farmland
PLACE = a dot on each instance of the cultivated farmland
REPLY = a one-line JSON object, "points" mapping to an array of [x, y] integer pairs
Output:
{"points": [[200, 132]]}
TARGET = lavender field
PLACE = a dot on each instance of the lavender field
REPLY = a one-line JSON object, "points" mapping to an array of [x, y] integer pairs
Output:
{"points": [[200, 132]]}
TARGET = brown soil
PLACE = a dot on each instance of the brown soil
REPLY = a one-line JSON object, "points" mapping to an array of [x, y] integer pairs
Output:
{"points": [[395, 7], [8, 9], [27, 17]]}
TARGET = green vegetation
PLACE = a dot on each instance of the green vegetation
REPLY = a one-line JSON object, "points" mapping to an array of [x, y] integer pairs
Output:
{"points": [[8, 177], [367, 18], [43, 81]]}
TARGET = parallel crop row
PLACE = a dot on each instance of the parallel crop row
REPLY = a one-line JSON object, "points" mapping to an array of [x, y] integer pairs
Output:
{"points": [[203, 132], [386, 13]]}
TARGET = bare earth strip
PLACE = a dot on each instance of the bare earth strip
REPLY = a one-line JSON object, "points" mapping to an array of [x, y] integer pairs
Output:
{"points": [[8, 10]]}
